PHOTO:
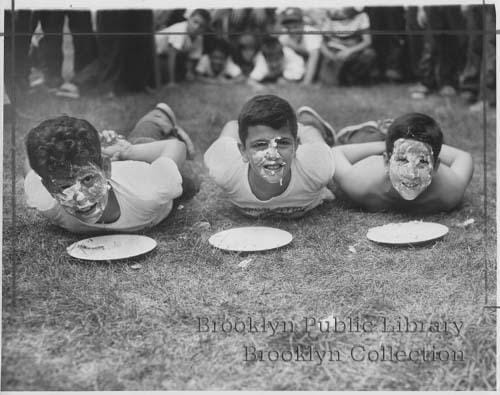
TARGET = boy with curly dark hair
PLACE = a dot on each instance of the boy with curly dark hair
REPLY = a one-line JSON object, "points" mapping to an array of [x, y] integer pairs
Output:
{"points": [[71, 180]]}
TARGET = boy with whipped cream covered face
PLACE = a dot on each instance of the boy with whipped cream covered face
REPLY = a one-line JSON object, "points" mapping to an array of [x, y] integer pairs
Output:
{"points": [[412, 171], [271, 161], [71, 180]]}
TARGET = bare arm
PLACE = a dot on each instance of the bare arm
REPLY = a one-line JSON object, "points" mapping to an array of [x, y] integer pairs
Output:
{"points": [[460, 162], [356, 152]]}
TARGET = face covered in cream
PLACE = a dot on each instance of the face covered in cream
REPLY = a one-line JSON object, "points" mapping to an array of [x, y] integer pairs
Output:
{"points": [[410, 167], [269, 152], [83, 193]]}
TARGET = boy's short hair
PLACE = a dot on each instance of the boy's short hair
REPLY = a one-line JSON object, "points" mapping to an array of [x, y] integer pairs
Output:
{"points": [[57, 144], [267, 110], [203, 13], [418, 127], [271, 46]]}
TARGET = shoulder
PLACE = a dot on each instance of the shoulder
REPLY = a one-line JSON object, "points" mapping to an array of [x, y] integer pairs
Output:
{"points": [[223, 160], [316, 161]]}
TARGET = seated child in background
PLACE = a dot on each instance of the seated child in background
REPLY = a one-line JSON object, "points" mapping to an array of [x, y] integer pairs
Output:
{"points": [[412, 171], [183, 50], [269, 162], [277, 63], [306, 45], [247, 48], [347, 55], [71, 181], [217, 65]]}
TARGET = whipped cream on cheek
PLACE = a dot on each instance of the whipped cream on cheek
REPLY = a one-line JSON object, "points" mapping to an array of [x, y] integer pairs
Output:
{"points": [[85, 202], [410, 168], [269, 162]]}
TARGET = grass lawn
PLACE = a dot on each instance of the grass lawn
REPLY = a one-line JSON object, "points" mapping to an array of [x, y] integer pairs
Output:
{"points": [[93, 326]]}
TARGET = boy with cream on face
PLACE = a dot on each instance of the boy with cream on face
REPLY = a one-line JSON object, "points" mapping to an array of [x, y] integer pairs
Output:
{"points": [[411, 171], [270, 162], [71, 181]]}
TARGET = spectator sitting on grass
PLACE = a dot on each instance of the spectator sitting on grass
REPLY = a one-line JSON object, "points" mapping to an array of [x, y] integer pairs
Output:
{"points": [[411, 171], [275, 63], [75, 185], [347, 54], [183, 50], [306, 45], [271, 162], [217, 65], [247, 48]]}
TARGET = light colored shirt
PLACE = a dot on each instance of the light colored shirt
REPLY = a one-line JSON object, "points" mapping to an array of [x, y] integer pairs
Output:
{"points": [[231, 70], [312, 170], [181, 42], [144, 192], [310, 42], [293, 66]]}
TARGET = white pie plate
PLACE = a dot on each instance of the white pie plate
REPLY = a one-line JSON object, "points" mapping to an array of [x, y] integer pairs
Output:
{"points": [[111, 247], [250, 238], [412, 232]]}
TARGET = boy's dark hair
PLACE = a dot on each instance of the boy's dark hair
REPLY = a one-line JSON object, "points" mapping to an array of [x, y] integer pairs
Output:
{"points": [[418, 127], [57, 144], [268, 110], [203, 13], [220, 45], [271, 46]]}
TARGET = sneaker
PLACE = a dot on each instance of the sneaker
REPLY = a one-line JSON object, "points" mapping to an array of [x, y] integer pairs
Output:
{"points": [[419, 88], [478, 107], [176, 130], [69, 90], [326, 129], [393, 75], [447, 91], [418, 95]]}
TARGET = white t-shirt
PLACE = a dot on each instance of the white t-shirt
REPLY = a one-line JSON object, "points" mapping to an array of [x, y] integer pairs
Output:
{"points": [[231, 70], [293, 68], [181, 42], [144, 192], [312, 170], [310, 42]]}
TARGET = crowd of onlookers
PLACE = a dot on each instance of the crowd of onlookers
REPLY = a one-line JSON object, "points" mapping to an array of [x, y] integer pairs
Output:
{"points": [[335, 46]]}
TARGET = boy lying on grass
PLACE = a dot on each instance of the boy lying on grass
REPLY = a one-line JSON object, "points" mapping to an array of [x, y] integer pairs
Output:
{"points": [[270, 162], [73, 183], [412, 171]]}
